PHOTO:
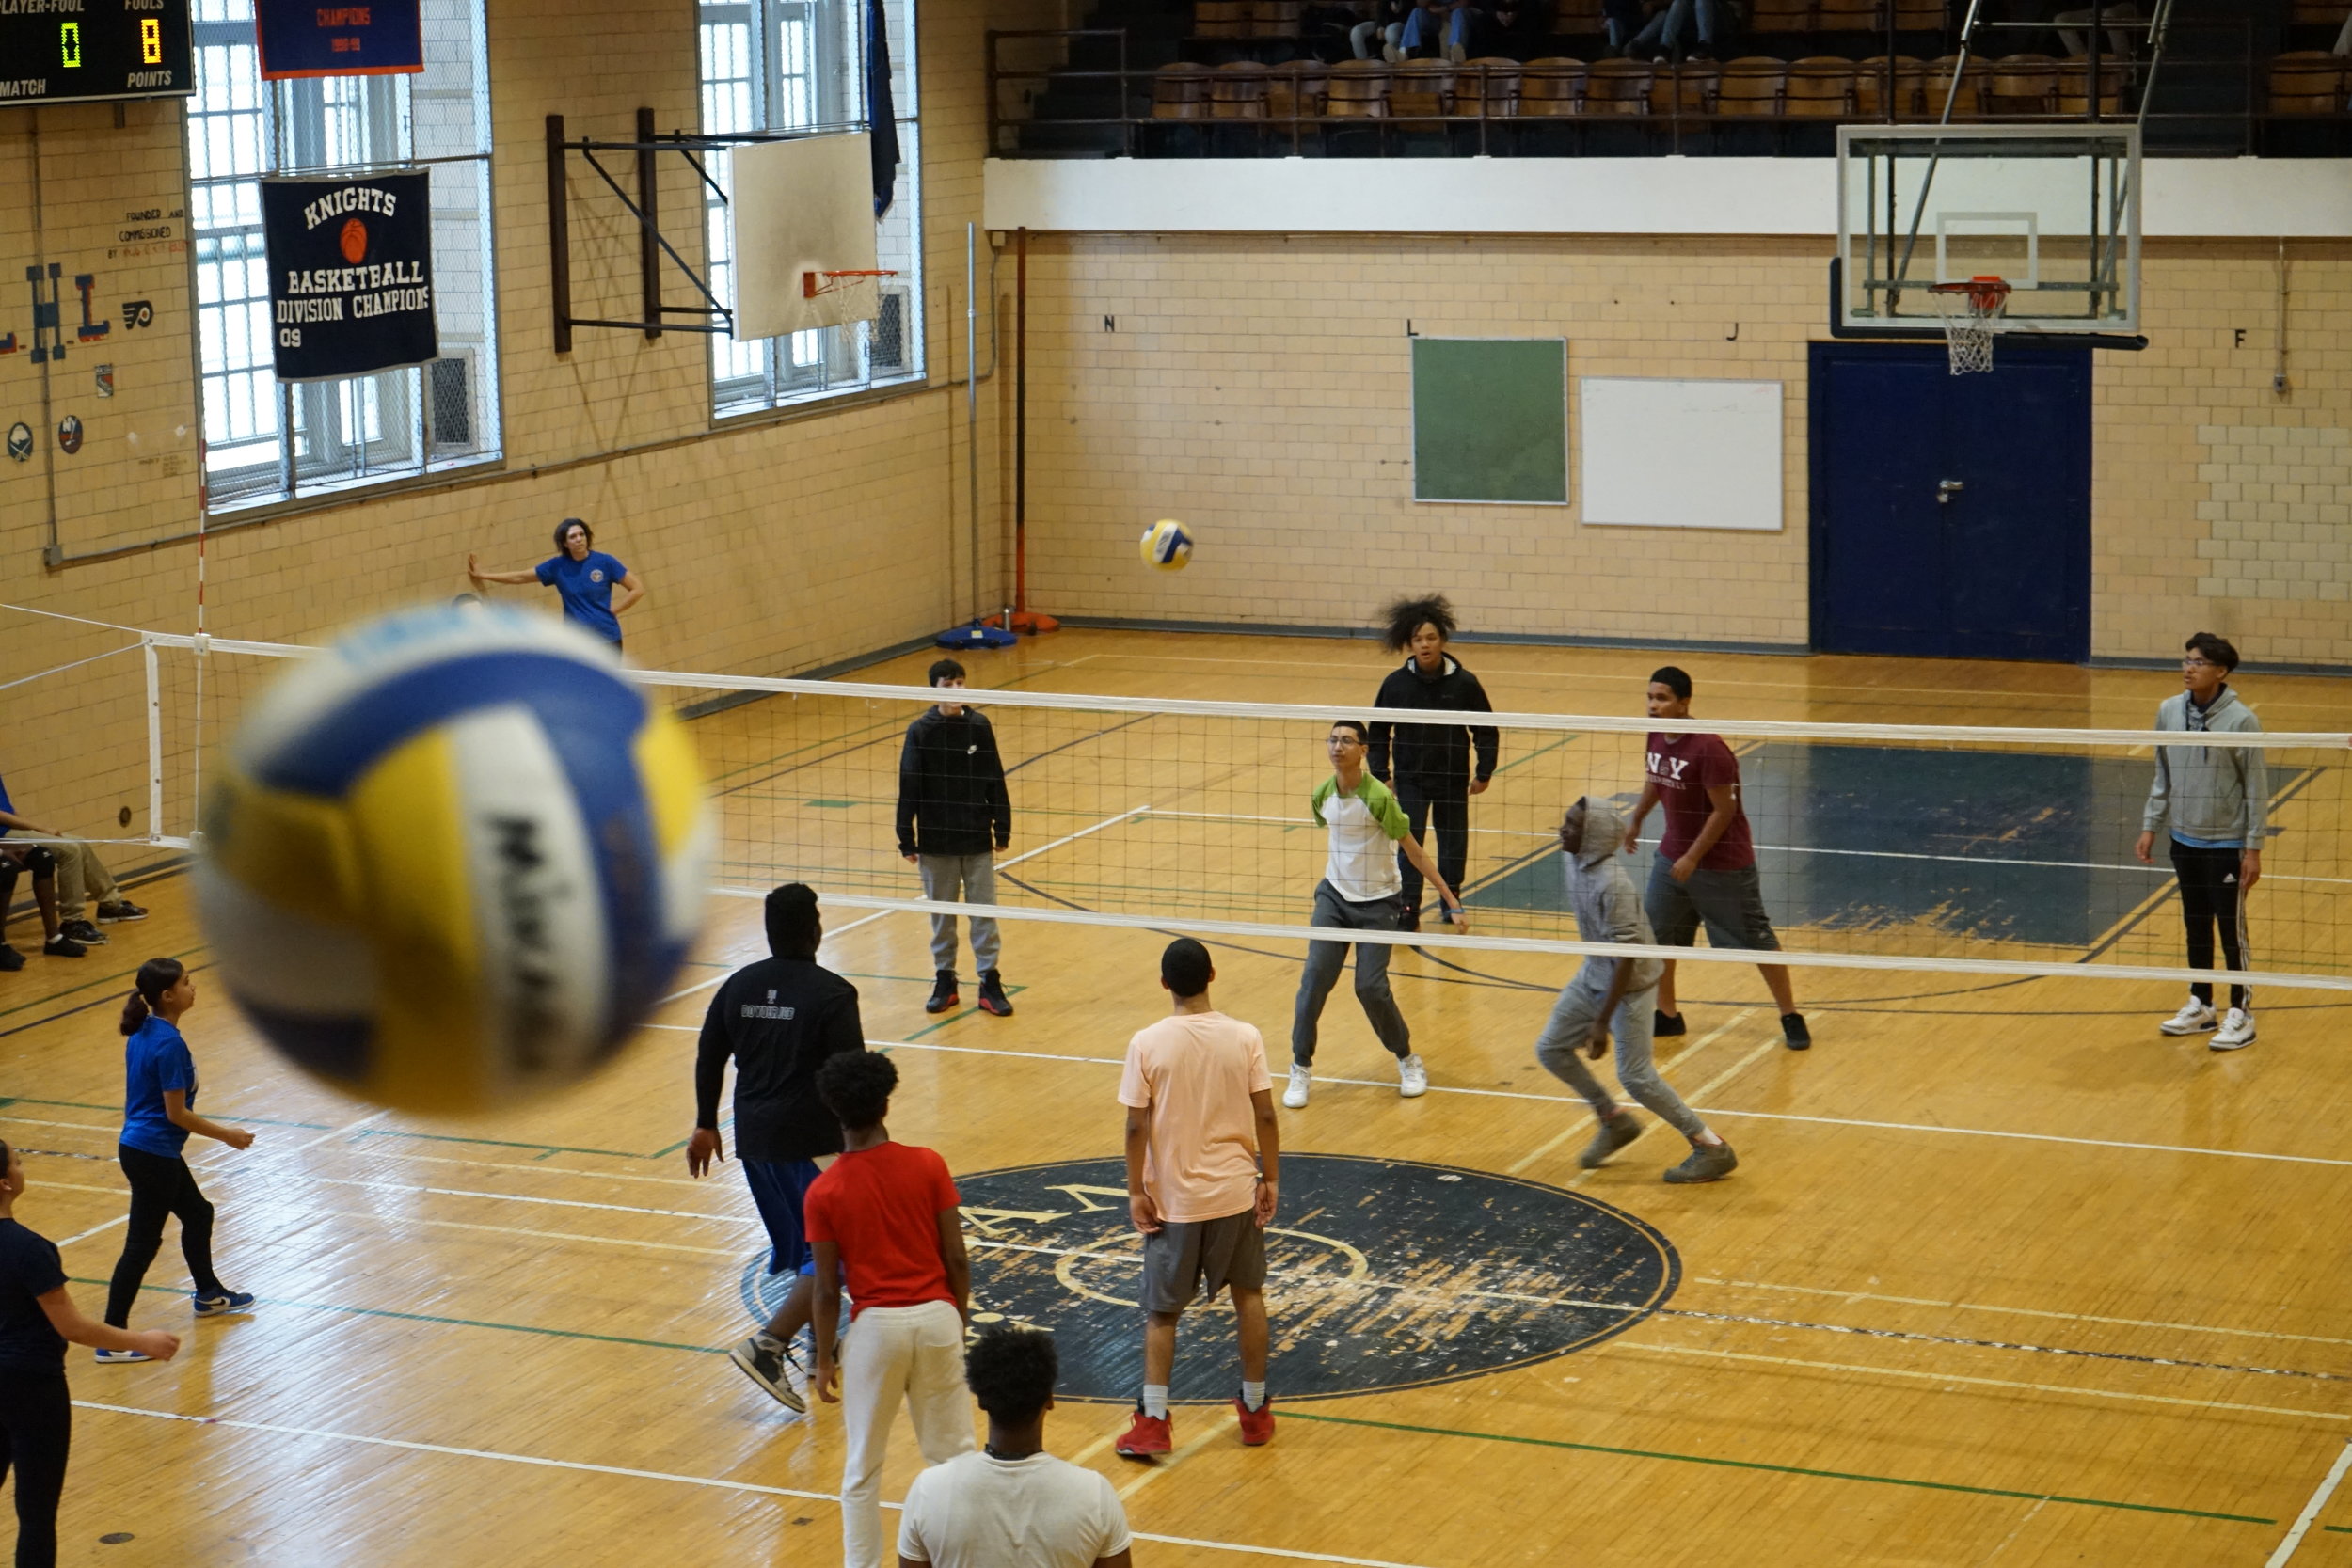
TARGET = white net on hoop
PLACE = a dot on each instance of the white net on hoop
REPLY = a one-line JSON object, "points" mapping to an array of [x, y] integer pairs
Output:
{"points": [[1969, 315]]}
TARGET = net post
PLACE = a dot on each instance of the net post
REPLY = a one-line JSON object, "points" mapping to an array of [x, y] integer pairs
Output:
{"points": [[154, 739]]}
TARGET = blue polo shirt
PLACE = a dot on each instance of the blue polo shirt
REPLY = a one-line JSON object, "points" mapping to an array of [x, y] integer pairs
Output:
{"points": [[586, 589], [155, 1058]]}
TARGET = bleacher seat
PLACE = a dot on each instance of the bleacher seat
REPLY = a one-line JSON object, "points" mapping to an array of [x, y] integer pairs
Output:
{"points": [[1617, 87], [1491, 83], [2073, 85], [1421, 91], [1846, 16], [1969, 105], [1822, 87], [1357, 89], [2020, 85], [1220, 19], [1181, 91], [2321, 14], [1756, 84], [1781, 16], [1237, 90], [2306, 81], [1687, 89], [1552, 87], [1872, 88], [1295, 90]]}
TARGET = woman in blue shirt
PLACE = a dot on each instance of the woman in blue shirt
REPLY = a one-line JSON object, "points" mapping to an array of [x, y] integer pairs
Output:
{"points": [[36, 1319], [582, 576], [159, 1112]]}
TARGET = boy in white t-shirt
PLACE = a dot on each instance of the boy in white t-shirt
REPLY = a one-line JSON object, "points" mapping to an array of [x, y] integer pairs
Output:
{"points": [[1361, 890], [1012, 1502], [1203, 1165]]}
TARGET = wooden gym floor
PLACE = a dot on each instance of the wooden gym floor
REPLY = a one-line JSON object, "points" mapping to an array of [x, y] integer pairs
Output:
{"points": [[2006, 1278]]}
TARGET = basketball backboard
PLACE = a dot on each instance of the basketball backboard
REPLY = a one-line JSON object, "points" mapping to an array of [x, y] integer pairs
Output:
{"points": [[804, 234], [2053, 210]]}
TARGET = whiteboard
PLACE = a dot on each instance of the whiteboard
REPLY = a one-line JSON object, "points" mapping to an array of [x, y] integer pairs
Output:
{"points": [[1664, 453]]}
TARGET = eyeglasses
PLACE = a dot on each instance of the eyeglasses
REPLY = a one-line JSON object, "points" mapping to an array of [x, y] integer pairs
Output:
{"points": [[2193, 662]]}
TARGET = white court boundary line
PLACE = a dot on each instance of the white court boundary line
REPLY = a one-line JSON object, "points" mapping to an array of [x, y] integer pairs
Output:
{"points": [[1703, 1110], [713, 1482], [2311, 1509], [1558, 947]]}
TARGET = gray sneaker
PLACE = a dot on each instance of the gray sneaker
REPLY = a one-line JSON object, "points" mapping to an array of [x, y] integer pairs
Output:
{"points": [[768, 1362], [1708, 1163], [1612, 1135]]}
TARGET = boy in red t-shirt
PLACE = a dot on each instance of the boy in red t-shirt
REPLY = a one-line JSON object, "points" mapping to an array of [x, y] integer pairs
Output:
{"points": [[1705, 866], [886, 1213]]}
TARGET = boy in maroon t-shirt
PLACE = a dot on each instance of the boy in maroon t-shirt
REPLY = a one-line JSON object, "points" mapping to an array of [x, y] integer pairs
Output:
{"points": [[888, 1213], [1704, 871]]}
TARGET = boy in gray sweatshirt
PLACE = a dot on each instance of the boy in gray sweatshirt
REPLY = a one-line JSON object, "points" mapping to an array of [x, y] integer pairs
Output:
{"points": [[1615, 995], [2215, 800]]}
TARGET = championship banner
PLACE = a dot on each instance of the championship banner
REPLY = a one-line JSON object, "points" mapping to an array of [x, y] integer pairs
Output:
{"points": [[350, 274], [300, 38]]}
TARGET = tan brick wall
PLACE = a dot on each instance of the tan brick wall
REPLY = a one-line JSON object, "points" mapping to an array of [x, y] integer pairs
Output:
{"points": [[1258, 388], [768, 546]]}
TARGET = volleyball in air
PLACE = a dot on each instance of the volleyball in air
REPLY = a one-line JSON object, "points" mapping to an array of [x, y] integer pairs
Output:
{"points": [[452, 860], [1167, 545]]}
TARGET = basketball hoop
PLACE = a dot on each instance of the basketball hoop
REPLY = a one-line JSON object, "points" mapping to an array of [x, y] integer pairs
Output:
{"points": [[1971, 311], [811, 287]]}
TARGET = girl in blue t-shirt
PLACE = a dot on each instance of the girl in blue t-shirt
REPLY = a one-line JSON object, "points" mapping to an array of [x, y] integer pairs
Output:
{"points": [[582, 577], [158, 1113], [37, 1317]]}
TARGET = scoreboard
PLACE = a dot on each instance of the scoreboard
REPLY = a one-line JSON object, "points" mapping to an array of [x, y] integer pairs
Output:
{"points": [[60, 51]]}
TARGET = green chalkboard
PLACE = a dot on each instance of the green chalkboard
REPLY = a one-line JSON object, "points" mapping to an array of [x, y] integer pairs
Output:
{"points": [[1490, 420]]}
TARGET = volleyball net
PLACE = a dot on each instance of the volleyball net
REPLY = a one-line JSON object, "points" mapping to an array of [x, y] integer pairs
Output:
{"points": [[1990, 850]]}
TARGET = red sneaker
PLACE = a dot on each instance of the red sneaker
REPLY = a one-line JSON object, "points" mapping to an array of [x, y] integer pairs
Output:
{"points": [[1149, 1434], [1257, 1426]]}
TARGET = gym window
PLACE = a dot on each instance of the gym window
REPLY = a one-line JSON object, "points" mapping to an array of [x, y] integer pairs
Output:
{"points": [[800, 65], [267, 441]]}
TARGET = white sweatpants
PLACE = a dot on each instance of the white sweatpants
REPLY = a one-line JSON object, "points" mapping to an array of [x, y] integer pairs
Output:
{"points": [[890, 1354]]}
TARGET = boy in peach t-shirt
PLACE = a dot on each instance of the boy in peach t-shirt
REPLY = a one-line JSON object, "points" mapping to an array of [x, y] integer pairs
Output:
{"points": [[1203, 1153]]}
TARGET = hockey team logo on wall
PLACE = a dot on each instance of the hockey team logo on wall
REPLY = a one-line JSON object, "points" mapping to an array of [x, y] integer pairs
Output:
{"points": [[350, 274]]}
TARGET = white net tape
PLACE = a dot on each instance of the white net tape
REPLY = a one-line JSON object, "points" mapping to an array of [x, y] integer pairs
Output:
{"points": [[1969, 317]]}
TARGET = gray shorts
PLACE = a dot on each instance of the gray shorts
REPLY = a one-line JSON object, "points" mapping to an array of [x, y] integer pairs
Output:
{"points": [[1201, 1257], [1729, 903]]}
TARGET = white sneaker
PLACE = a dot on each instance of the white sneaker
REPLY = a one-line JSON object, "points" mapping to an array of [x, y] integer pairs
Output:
{"points": [[2195, 1018], [2237, 1031], [1302, 1079], [1412, 1079]]}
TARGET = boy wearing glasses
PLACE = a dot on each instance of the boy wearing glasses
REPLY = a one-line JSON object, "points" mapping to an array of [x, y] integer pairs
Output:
{"points": [[2214, 801]]}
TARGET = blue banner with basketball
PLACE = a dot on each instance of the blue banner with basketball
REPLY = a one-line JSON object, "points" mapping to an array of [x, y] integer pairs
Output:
{"points": [[350, 274], [300, 38]]}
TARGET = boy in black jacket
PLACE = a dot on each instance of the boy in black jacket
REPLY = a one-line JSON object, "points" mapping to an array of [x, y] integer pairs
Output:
{"points": [[781, 1019], [1428, 766], [953, 810]]}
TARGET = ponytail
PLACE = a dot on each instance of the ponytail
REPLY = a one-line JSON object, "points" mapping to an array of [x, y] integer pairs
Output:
{"points": [[155, 976]]}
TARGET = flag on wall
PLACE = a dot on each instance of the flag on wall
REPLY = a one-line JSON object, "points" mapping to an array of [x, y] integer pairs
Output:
{"points": [[302, 38], [350, 274], [882, 115]]}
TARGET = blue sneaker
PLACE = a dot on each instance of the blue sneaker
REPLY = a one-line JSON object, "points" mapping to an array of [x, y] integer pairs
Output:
{"points": [[112, 1355], [222, 1304]]}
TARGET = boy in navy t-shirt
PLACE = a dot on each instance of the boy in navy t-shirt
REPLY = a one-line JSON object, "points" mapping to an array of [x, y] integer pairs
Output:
{"points": [[582, 577]]}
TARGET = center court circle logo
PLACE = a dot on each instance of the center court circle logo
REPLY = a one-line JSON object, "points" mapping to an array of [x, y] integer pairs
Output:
{"points": [[1381, 1274]]}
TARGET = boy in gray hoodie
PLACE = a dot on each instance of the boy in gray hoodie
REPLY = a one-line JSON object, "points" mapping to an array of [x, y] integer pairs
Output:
{"points": [[2215, 800], [1615, 995]]}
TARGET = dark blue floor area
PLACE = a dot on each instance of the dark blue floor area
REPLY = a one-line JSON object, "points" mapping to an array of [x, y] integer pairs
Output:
{"points": [[1994, 846]]}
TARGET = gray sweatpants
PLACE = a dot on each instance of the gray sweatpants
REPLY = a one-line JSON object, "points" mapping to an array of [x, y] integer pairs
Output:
{"points": [[960, 880], [1560, 1048], [1325, 960]]}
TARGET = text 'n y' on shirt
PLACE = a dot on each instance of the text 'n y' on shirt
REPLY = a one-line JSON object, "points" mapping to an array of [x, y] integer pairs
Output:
{"points": [[1365, 824], [881, 1206], [1684, 767], [586, 589], [155, 1059], [1195, 1073]]}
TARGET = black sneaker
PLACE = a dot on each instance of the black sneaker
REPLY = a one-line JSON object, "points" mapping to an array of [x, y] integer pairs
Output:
{"points": [[83, 933], [10, 960], [1667, 1026], [1793, 1031], [769, 1363], [63, 946], [121, 909], [943, 992], [993, 998]]}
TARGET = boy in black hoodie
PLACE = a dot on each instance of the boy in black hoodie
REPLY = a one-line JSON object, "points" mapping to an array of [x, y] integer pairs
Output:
{"points": [[953, 810], [1428, 766]]}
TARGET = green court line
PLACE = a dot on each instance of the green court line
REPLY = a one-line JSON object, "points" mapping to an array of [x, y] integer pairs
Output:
{"points": [[1294, 1414], [452, 1322], [1536, 752], [831, 806], [2337, 1529], [498, 1142]]}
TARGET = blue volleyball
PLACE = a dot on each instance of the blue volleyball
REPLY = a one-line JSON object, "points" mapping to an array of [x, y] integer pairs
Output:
{"points": [[453, 859]]}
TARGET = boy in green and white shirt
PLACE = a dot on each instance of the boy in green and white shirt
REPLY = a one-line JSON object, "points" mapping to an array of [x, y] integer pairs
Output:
{"points": [[1361, 891]]}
